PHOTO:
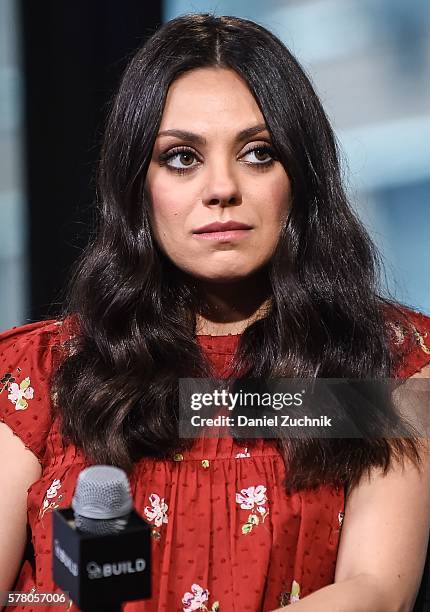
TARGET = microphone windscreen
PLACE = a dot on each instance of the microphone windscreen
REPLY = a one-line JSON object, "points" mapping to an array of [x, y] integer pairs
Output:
{"points": [[100, 527], [102, 492]]}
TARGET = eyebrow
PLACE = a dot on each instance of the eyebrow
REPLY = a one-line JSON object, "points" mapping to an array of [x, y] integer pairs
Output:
{"points": [[197, 139]]}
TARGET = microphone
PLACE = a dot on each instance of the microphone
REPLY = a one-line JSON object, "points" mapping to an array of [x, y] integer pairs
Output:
{"points": [[102, 547], [102, 500]]}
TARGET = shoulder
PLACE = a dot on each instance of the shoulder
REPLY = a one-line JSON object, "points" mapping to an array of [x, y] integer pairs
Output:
{"points": [[409, 338], [35, 344], [38, 337], [28, 334], [29, 355]]}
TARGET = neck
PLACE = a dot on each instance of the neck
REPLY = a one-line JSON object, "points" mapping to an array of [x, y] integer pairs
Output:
{"points": [[230, 307]]}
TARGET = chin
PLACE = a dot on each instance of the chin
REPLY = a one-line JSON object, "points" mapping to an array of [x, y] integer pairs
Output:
{"points": [[223, 276]]}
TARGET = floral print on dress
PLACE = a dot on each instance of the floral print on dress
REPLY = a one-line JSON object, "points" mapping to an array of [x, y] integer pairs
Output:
{"points": [[288, 597], [156, 512], [51, 500], [254, 499], [420, 339], [243, 455], [19, 394], [399, 333], [7, 379], [197, 600], [295, 592]]}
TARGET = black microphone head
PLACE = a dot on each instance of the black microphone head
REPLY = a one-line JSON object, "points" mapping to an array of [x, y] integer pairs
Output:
{"points": [[102, 500]]}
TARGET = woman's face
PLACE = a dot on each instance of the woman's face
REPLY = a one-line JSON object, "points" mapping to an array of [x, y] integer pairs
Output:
{"points": [[212, 163]]}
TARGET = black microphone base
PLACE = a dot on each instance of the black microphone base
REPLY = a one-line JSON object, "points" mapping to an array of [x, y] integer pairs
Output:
{"points": [[101, 571], [105, 609]]}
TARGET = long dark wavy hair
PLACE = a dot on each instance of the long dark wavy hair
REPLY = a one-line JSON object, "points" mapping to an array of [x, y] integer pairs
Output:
{"points": [[136, 312]]}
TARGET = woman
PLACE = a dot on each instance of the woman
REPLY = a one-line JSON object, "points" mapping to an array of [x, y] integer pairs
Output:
{"points": [[214, 123]]}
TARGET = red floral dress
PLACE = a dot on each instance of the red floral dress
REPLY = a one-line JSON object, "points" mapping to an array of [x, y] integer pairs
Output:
{"points": [[226, 535]]}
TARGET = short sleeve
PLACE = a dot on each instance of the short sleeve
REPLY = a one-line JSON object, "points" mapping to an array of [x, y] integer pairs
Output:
{"points": [[409, 334], [27, 357]]}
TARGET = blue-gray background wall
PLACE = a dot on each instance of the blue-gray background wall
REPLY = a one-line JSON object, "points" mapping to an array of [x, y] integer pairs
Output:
{"points": [[13, 220]]}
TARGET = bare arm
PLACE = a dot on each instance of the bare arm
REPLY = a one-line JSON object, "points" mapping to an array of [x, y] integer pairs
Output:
{"points": [[19, 468], [383, 543]]}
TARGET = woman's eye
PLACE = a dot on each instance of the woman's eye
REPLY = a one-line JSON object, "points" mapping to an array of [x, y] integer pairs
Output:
{"points": [[262, 155], [179, 159], [182, 160]]}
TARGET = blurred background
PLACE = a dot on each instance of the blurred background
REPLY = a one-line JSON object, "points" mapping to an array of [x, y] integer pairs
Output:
{"points": [[60, 63]]}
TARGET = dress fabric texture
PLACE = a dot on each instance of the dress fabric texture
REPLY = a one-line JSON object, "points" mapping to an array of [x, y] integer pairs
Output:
{"points": [[225, 534]]}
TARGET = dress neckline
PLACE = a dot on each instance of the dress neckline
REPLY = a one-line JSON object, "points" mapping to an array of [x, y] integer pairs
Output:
{"points": [[219, 344], [217, 335]]}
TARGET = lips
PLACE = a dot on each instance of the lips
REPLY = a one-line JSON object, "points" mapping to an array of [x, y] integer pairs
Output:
{"points": [[222, 227]]}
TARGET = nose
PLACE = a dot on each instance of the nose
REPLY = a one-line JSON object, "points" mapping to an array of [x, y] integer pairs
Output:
{"points": [[221, 187]]}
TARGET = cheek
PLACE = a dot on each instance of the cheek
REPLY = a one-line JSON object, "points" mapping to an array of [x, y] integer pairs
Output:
{"points": [[282, 197], [164, 217], [166, 212], [276, 204]]}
